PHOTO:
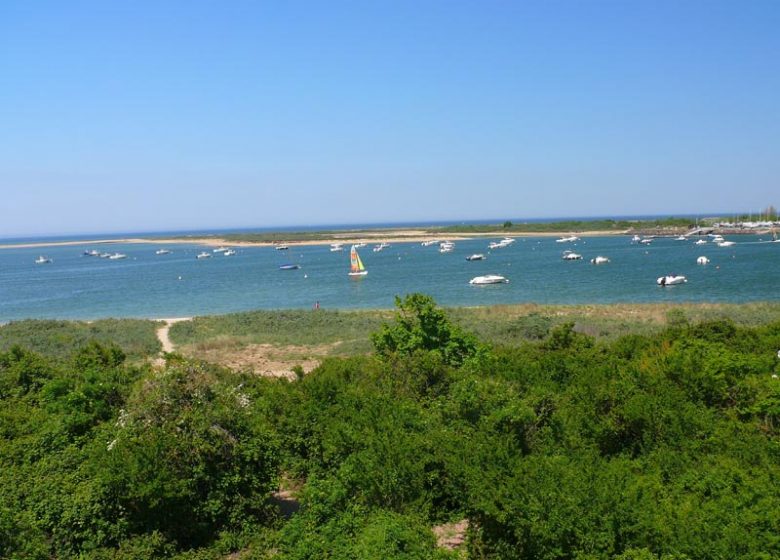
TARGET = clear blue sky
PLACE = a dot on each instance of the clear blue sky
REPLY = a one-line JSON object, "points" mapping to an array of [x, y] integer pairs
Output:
{"points": [[148, 115]]}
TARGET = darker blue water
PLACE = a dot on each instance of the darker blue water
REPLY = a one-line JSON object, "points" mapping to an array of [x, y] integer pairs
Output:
{"points": [[149, 285]]}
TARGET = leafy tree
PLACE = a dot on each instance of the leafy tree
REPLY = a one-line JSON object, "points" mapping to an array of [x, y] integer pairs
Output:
{"points": [[422, 326]]}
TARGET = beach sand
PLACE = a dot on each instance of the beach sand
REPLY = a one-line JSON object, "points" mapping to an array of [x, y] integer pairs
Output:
{"points": [[379, 236]]}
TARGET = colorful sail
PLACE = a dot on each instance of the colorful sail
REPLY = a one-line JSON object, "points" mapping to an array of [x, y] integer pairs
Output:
{"points": [[356, 267]]}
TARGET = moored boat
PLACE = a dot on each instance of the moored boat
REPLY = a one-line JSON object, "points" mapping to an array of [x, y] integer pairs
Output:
{"points": [[476, 257], [488, 279], [599, 260], [671, 280]]}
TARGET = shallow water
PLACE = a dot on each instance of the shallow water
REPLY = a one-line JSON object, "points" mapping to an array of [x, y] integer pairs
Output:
{"points": [[149, 285]]}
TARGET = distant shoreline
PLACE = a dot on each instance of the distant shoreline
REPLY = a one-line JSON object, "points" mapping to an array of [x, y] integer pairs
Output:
{"points": [[379, 236]]}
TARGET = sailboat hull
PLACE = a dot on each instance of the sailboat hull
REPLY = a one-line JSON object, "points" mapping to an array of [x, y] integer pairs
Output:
{"points": [[361, 273]]}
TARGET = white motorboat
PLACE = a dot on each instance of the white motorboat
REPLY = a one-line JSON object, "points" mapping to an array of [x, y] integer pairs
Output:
{"points": [[203, 255], [671, 280], [702, 260], [571, 256], [430, 242], [636, 239], [700, 242], [488, 279], [282, 247], [380, 247], [646, 241], [43, 260], [446, 247], [162, 252], [229, 252], [117, 256], [92, 253], [476, 257], [569, 239], [680, 238], [506, 242], [334, 247], [220, 249], [725, 243], [599, 260]]}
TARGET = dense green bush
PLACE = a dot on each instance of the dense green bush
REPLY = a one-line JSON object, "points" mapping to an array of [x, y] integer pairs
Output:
{"points": [[647, 447]]}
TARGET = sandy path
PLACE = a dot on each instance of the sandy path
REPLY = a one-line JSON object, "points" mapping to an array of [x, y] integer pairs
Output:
{"points": [[162, 332]]}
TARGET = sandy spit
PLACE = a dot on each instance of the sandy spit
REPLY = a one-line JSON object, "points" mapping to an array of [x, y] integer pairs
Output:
{"points": [[383, 236]]}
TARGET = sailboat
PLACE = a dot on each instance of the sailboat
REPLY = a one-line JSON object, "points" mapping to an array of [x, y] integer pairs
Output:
{"points": [[356, 267]]}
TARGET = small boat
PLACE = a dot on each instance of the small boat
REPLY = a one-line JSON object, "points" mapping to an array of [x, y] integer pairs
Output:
{"points": [[336, 247], [506, 242], [700, 242], [571, 256], [646, 241], [203, 255], [356, 267], [680, 238], [476, 257], [380, 247], [220, 250], [488, 279], [229, 252], [569, 239], [361, 244], [725, 243], [702, 260], [43, 260], [446, 247], [117, 256], [429, 242], [92, 253], [289, 267], [636, 239], [105, 255], [162, 252], [599, 260], [282, 247], [671, 280]]}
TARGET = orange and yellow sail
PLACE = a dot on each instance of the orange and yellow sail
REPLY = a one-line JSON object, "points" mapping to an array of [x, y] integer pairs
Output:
{"points": [[355, 264]]}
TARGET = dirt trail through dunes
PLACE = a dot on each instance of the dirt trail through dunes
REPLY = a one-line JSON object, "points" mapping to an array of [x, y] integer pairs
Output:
{"points": [[162, 332]]}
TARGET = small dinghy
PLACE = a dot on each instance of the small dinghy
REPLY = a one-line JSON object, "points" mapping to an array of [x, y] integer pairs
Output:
{"points": [[599, 260], [671, 280]]}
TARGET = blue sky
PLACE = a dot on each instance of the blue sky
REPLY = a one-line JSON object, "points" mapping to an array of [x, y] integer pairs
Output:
{"points": [[159, 115]]}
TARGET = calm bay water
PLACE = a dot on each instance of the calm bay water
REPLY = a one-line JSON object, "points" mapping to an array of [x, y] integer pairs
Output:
{"points": [[149, 285]]}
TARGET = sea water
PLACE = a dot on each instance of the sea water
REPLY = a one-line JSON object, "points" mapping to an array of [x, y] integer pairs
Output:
{"points": [[150, 285]]}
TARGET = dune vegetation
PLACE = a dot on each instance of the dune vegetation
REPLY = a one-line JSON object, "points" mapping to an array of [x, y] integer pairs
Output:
{"points": [[655, 445]]}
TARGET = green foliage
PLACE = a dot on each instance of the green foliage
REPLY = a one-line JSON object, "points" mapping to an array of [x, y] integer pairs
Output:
{"points": [[421, 326], [658, 445], [59, 339]]}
